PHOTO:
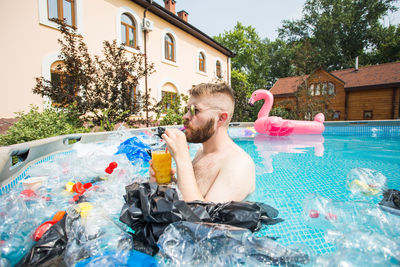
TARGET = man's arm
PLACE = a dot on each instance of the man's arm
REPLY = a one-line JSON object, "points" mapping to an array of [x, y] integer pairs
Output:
{"points": [[178, 147], [234, 182]]}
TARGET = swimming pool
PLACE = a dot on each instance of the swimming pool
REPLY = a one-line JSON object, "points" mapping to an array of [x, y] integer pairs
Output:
{"points": [[290, 170]]}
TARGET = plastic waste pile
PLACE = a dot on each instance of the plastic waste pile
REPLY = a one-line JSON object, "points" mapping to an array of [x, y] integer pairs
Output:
{"points": [[93, 206], [71, 204], [363, 232]]}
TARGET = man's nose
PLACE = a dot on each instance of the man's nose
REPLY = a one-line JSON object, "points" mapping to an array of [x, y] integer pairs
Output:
{"points": [[187, 116]]}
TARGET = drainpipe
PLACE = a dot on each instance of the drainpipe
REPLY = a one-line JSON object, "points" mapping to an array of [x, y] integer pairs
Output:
{"points": [[145, 66]]}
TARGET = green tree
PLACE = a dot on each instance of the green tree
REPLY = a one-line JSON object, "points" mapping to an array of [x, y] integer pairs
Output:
{"points": [[102, 90], [335, 32], [385, 45], [242, 92], [251, 57]]}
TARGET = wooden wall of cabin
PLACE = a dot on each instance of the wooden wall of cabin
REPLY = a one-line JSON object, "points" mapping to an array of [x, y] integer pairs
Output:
{"points": [[377, 102]]}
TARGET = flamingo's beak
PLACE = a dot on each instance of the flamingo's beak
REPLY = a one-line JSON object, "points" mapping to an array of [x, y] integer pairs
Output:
{"points": [[251, 102]]}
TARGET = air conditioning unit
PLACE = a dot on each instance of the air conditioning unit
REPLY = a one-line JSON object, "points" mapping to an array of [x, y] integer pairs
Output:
{"points": [[147, 25]]}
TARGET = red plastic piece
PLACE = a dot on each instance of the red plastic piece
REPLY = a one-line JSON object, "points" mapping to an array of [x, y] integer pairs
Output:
{"points": [[87, 185], [331, 216], [109, 170], [113, 165], [78, 188], [28, 193], [314, 214], [39, 232]]}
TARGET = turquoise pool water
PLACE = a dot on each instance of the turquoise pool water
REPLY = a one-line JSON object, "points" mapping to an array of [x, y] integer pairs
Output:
{"points": [[290, 168]]}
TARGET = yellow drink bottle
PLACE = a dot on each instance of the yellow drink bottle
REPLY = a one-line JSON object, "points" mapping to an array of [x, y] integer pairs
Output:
{"points": [[162, 166]]}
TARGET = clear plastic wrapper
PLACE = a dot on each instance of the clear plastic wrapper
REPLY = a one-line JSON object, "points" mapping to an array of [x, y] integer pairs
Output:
{"points": [[207, 244]]}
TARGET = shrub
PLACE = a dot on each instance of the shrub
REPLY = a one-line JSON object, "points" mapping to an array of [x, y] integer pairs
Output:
{"points": [[37, 125]]}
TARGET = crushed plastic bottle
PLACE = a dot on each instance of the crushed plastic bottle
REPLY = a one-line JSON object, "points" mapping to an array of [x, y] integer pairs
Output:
{"points": [[206, 244], [364, 182]]}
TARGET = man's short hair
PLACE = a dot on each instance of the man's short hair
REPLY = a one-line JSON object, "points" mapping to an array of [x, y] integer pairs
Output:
{"points": [[213, 89]]}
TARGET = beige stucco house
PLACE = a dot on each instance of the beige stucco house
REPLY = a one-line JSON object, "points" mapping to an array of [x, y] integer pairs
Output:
{"points": [[182, 55]]}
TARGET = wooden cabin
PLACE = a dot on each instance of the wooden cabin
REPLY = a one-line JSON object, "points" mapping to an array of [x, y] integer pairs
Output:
{"points": [[365, 93]]}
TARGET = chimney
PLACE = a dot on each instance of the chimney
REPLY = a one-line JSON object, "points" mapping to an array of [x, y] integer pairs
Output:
{"points": [[356, 68], [170, 5], [183, 15]]}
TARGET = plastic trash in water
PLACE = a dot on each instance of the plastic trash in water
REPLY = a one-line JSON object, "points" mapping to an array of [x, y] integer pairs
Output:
{"points": [[366, 182], [366, 242], [134, 149], [207, 244], [323, 213]]}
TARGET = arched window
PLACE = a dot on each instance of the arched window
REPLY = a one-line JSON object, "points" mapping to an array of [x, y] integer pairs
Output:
{"points": [[218, 69], [66, 90], [57, 76], [202, 62], [128, 31], [168, 95], [62, 9], [169, 47]]}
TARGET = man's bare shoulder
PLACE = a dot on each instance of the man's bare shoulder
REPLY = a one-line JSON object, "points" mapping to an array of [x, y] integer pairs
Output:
{"points": [[238, 156]]}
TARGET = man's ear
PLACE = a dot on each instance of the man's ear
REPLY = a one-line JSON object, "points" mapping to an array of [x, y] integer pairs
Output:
{"points": [[223, 116]]}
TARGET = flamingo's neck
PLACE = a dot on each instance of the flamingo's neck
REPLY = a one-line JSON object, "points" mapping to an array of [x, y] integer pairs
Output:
{"points": [[266, 108]]}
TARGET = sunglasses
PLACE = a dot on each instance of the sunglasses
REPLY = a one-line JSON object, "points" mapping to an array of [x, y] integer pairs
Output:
{"points": [[195, 111]]}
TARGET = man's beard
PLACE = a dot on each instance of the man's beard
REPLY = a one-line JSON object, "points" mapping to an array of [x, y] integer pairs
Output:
{"points": [[200, 135]]}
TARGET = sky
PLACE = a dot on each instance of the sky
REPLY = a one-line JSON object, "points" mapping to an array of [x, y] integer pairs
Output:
{"points": [[216, 16]]}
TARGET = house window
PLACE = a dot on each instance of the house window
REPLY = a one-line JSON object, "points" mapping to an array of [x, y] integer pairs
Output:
{"points": [[311, 89], [58, 77], [128, 31], [368, 115], [169, 47], [62, 9], [202, 62], [218, 69], [168, 98], [336, 115], [331, 89], [133, 97], [324, 88], [317, 89]]}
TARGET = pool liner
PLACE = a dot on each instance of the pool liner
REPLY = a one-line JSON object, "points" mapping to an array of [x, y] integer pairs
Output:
{"points": [[208, 244], [150, 208]]}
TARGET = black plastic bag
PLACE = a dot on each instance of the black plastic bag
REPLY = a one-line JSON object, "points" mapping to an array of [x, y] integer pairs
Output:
{"points": [[150, 208], [49, 250], [391, 201]]}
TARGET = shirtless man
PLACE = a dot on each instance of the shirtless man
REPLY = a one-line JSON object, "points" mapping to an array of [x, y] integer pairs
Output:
{"points": [[221, 171]]}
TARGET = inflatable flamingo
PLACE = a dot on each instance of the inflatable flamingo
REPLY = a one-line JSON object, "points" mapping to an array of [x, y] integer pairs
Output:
{"points": [[276, 126]]}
